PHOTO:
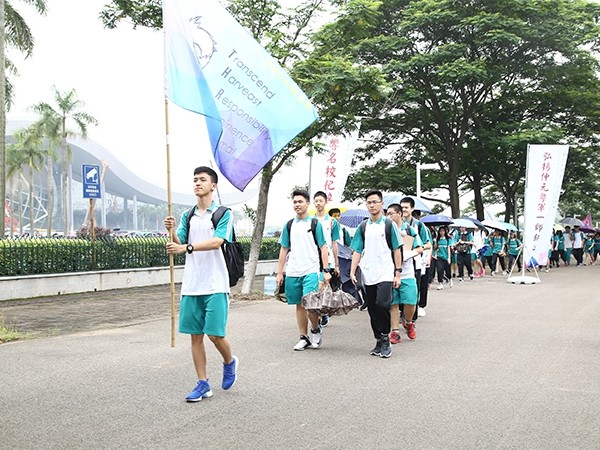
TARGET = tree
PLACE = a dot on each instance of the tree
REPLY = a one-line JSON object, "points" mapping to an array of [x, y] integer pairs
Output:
{"points": [[54, 121], [448, 62], [333, 83], [14, 32], [29, 152]]}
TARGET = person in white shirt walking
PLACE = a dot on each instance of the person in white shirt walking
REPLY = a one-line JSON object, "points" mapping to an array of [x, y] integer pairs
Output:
{"points": [[378, 254]]}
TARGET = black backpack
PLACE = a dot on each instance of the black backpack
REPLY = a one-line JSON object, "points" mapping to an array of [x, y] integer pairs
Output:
{"points": [[232, 251], [313, 229]]}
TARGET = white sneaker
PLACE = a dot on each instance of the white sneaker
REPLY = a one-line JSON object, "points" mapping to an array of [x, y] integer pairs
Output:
{"points": [[421, 312], [493, 273], [451, 282], [302, 344], [504, 272], [440, 287], [315, 338]]}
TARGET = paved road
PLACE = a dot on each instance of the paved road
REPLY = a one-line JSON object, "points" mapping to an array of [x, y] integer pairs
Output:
{"points": [[494, 365]]}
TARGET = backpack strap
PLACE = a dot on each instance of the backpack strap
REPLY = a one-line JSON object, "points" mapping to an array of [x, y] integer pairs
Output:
{"points": [[191, 213], [313, 229], [216, 217], [388, 236]]}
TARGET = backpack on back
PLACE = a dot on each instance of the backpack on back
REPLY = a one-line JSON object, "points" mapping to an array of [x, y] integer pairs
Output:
{"points": [[233, 252], [313, 229]]}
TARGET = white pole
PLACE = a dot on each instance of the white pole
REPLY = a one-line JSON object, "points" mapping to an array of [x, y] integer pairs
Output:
{"points": [[419, 179]]}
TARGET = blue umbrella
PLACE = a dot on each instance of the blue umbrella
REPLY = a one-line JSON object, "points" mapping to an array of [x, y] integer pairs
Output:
{"points": [[353, 217], [436, 219], [396, 197]]}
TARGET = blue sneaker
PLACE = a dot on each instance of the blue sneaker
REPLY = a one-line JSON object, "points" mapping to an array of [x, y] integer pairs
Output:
{"points": [[230, 373], [202, 390]]}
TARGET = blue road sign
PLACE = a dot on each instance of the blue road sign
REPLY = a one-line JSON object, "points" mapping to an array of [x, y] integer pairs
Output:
{"points": [[91, 181]]}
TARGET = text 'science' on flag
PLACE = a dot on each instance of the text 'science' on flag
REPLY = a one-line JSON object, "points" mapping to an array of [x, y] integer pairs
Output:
{"points": [[214, 67]]}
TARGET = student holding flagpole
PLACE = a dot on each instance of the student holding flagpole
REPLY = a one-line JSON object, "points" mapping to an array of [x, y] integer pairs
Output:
{"points": [[205, 286]]}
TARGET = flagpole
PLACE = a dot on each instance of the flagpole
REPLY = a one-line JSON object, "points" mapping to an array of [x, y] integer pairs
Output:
{"points": [[171, 231]]}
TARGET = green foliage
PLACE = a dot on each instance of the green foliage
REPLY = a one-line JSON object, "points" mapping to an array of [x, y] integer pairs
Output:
{"points": [[46, 256]]}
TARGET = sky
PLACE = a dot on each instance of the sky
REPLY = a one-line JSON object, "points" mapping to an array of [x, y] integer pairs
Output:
{"points": [[119, 75]]}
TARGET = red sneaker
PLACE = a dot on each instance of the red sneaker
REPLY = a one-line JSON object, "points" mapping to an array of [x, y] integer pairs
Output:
{"points": [[410, 330], [395, 337]]}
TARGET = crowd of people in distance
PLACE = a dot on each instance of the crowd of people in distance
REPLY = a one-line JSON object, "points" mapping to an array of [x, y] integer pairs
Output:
{"points": [[583, 247]]}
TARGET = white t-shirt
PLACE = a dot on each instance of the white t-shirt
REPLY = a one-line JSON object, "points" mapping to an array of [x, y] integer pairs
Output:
{"points": [[578, 241], [205, 271], [568, 240], [303, 257], [376, 262]]}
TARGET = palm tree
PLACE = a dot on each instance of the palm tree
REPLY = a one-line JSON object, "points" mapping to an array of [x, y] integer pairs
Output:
{"points": [[30, 148], [14, 32], [54, 123]]}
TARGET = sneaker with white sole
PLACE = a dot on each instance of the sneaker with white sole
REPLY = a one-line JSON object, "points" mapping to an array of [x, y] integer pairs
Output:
{"points": [[230, 373], [451, 282], [440, 287], [302, 344], [377, 349], [421, 312], [386, 348], [316, 338], [202, 390]]}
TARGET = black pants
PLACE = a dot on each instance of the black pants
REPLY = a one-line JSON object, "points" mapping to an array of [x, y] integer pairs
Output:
{"points": [[578, 254], [424, 288], [488, 260], [495, 258], [443, 270], [379, 299], [511, 261], [464, 260]]}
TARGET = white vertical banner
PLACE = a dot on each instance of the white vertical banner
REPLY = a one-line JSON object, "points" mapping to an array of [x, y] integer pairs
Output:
{"points": [[331, 168], [545, 171]]}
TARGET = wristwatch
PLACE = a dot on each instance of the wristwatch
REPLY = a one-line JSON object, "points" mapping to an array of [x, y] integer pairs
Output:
{"points": [[190, 248], [398, 269]]}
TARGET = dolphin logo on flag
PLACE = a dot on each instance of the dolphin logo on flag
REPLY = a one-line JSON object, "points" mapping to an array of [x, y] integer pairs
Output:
{"points": [[215, 68]]}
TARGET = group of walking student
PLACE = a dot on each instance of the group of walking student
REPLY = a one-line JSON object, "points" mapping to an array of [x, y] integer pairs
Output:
{"points": [[460, 250], [394, 258], [390, 251]]}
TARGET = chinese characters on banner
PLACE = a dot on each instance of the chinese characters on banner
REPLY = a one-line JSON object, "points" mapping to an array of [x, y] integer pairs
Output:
{"points": [[545, 170], [331, 168]]}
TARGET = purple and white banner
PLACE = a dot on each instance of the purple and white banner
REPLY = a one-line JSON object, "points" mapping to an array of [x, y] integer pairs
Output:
{"points": [[545, 170]]}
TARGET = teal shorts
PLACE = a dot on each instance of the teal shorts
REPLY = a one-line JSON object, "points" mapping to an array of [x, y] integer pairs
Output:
{"points": [[407, 293], [204, 314], [298, 287]]}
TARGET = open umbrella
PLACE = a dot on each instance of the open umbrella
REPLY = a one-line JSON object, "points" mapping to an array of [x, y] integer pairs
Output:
{"points": [[476, 222], [509, 226], [396, 197], [559, 227], [587, 229], [571, 221], [458, 223], [436, 220], [353, 217], [330, 205], [494, 224]]}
